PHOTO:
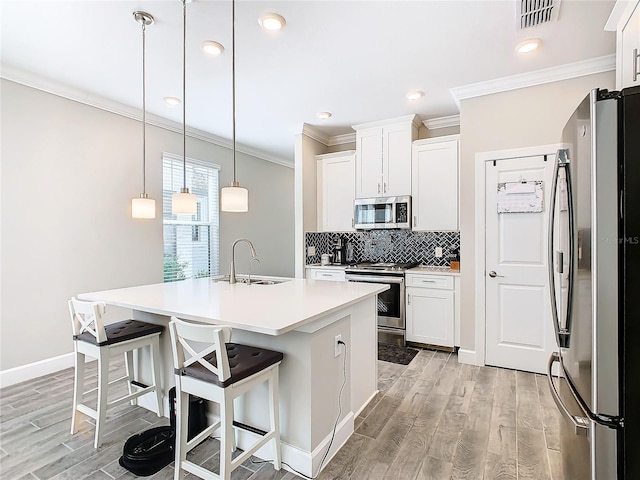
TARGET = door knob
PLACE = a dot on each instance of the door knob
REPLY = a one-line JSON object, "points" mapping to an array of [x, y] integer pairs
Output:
{"points": [[493, 274]]}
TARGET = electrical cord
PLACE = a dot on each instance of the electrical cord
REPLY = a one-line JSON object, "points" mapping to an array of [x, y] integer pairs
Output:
{"points": [[335, 425]]}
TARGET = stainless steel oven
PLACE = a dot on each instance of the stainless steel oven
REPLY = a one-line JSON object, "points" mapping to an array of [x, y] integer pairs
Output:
{"points": [[391, 303]]}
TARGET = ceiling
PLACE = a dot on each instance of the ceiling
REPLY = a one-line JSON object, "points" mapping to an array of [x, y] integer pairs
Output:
{"points": [[356, 59]]}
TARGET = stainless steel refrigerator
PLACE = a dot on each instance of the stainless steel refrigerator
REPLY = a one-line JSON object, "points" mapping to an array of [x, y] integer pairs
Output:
{"points": [[594, 273]]}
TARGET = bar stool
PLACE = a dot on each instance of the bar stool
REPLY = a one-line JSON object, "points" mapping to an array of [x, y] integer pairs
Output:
{"points": [[208, 366], [91, 337]]}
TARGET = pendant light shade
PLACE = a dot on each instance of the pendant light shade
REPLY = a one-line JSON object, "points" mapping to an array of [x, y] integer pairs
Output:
{"points": [[143, 207], [184, 202], [234, 198]]}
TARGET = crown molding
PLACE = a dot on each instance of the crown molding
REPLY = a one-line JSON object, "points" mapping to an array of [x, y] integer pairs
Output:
{"points": [[381, 123], [70, 93], [442, 122], [342, 139], [622, 10], [537, 77], [312, 132]]}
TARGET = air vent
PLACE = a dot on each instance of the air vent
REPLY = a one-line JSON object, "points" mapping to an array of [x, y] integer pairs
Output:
{"points": [[535, 12]]}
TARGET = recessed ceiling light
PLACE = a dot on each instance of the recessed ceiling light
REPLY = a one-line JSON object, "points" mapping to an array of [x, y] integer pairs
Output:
{"points": [[323, 115], [212, 48], [415, 95], [528, 45], [272, 21], [172, 100]]}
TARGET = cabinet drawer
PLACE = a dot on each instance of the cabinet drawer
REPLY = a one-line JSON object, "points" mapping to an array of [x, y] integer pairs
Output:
{"points": [[331, 275], [444, 282]]}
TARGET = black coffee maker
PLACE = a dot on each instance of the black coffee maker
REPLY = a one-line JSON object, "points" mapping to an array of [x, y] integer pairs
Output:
{"points": [[338, 254]]}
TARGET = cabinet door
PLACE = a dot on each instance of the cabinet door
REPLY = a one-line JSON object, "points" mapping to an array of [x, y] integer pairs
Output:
{"points": [[396, 160], [430, 316], [369, 163], [337, 191], [435, 186], [631, 50]]}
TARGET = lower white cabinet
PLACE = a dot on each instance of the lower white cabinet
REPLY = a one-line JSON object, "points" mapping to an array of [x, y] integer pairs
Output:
{"points": [[431, 309], [331, 274]]}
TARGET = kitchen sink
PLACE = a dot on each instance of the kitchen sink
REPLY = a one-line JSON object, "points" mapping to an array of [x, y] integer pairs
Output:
{"points": [[245, 280]]}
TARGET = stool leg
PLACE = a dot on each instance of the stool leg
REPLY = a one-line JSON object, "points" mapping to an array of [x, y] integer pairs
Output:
{"points": [[155, 370], [103, 392], [128, 363], [275, 417], [182, 421], [78, 387], [227, 438]]}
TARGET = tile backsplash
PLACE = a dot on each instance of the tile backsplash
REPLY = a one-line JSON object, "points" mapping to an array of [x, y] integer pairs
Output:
{"points": [[387, 245]]}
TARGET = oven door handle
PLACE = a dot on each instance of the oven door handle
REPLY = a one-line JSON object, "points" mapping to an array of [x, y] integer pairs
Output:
{"points": [[374, 279]]}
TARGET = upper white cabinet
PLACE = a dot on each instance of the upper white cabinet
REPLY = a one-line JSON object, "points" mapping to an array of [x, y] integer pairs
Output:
{"points": [[336, 191], [630, 47], [383, 157], [625, 20], [435, 183]]}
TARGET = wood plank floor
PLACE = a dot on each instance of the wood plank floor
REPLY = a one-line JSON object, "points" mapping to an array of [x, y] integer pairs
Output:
{"points": [[433, 419]]}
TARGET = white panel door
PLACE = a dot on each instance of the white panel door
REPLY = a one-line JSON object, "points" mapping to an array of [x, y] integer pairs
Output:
{"points": [[519, 329], [369, 163]]}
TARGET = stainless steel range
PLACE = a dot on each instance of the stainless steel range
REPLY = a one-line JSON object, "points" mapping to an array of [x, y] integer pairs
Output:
{"points": [[391, 308]]}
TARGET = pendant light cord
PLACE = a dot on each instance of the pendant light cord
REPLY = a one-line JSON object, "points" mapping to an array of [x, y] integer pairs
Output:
{"points": [[144, 111], [233, 81], [184, 94]]}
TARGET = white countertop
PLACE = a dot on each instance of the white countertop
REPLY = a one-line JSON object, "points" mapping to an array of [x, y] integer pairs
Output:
{"points": [[330, 266], [269, 309], [425, 269]]}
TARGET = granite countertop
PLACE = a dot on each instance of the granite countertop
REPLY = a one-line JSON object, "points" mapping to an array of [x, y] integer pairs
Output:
{"points": [[426, 269], [331, 266]]}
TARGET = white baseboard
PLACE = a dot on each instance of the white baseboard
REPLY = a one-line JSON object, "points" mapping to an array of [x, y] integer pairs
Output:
{"points": [[304, 462], [364, 405], [15, 375], [468, 356]]}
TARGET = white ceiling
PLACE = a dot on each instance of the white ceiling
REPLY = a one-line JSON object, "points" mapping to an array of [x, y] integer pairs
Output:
{"points": [[356, 59]]}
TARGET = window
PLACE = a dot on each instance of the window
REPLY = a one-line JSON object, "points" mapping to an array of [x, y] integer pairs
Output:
{"points": [[190, 241]]}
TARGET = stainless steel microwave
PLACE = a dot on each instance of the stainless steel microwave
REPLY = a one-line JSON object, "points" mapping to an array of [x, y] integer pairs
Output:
{"points": [[382, 212]]}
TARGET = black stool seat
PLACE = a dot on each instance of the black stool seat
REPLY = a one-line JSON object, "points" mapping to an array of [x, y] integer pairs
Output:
{"points": [[244, 361], [121, 332]]}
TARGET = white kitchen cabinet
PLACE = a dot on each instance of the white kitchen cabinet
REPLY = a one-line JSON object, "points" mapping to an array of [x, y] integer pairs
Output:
{"points": [[625, 21], [383, 157], [435, 183], [336, 191], [630, 47], [431, 309], [332, 274]]}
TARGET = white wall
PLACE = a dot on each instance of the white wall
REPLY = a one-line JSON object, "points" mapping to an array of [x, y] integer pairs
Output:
{"points": [[519, 118], [68, 173], [306, 186]]}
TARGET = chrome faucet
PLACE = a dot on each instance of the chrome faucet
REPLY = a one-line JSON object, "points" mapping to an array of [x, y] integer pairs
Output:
{"points": [[232, 268]]}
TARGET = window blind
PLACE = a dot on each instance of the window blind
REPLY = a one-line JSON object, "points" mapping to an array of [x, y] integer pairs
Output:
{"points": [[191, 242]]}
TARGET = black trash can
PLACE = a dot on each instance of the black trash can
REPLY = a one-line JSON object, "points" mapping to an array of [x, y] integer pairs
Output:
{"points": [[197, 413]]}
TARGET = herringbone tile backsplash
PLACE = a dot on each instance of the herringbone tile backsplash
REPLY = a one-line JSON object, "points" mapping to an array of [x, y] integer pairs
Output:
{"points": [[388, 245]]}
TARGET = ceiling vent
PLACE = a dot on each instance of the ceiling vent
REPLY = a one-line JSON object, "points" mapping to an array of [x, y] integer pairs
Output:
{"points": [[535, 12]]}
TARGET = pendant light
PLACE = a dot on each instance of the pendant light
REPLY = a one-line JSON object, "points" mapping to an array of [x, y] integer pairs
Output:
{"points": [[143, 207], [234, 198], [184, 202]]}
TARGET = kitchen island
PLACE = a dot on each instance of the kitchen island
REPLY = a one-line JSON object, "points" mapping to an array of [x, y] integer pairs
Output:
{"points": [[300, 318]]}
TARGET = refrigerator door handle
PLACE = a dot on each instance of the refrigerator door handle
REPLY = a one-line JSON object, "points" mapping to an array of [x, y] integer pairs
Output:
{"points": [[565, 329], [552, 278], [580, 424]]}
